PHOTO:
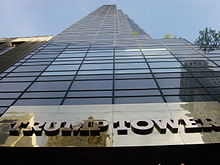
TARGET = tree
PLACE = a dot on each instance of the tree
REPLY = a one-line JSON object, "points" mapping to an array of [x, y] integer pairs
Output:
{"points": [[169, 36], [208, 40], [135, 33]]}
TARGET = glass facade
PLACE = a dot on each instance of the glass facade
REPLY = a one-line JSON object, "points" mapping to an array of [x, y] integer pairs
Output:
{"points": [[105, 58]]}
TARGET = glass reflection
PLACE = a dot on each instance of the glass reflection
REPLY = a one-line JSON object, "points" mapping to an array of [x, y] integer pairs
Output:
{"points": [[198, 68]]}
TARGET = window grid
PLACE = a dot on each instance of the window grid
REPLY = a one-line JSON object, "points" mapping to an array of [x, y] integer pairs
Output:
{"points": [[98, 61]]}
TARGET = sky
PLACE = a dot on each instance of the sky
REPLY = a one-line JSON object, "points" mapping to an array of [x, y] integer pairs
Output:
{"points": [[182, 18]]}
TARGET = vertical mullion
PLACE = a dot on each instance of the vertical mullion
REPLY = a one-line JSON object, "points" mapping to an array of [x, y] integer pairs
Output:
{"points": [[38, 76]]}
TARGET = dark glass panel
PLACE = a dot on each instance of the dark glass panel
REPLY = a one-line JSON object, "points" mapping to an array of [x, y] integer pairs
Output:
{"points": [[130, 100], [88, 101], [49, 86], [132, 84], [92, 85]]}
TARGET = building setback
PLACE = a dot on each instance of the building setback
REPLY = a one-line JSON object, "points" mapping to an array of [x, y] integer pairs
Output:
{"points": [[106, 63]]}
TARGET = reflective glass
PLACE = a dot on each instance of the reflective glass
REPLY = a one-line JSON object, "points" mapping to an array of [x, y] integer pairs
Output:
{"points": [[13, 86], [127, 76], [42, 94], [88, 101], [92, 85], [6, 102], [52, 78], [214, 90], [95, 72], [184, 91], [164, 64], [62, 67], [99, 54], [58, 73], [30, 102], [132, 71], [85, 77], [16, 79], [131, 100], [133, 84], [178, 83], [49, 86], [168, 70], [96, 66], [29, 68], [130, 65], [89, 93], [136, 92], [9, 95], [2, 110], [195, 98], [210, 81], [66, 62]]}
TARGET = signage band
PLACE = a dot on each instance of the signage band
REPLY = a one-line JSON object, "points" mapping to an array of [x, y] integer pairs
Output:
{"points": [[95, 127]]}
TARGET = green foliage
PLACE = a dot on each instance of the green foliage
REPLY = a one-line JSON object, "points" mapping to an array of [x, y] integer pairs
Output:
{"points": [[168, 36], [135, 33], [208, 40]]}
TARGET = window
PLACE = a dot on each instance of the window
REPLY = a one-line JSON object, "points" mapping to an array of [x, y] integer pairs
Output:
{"points": [[62, 67], [49, 86], [133, 84], [96, 66], [136, 92], [38, 102], [178, 83], [42, 94], [130, 100], [130, 65], [88, 101], [29, 68], [89, 93], [13, 86], [92, 85]]}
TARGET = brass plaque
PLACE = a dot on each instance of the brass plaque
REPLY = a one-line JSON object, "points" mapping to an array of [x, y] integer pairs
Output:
{"points": [[111, 125]]}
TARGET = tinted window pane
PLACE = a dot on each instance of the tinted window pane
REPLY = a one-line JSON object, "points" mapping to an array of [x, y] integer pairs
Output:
{"points": [[88, 101], [92, 85], [2, 110], [189, 98], [210, 82], [38, 102], [96, 66], [130, 65], [183, 91], [96, 72], [94, 77], [48, 78], [30, 68], [13, 86], [121, 71], [62, 67], [9, 95], [43, 94], [89, 93], [136, 92], [132, 84], [164, 64], [125, 76], [49, 86], [214, 90], [6, 102], [178, 83], [130, 100], [59, 73], [18, 79]]}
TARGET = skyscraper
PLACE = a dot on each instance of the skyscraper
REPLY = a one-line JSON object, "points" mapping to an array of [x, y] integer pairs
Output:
{"points": [[105, 58]]}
